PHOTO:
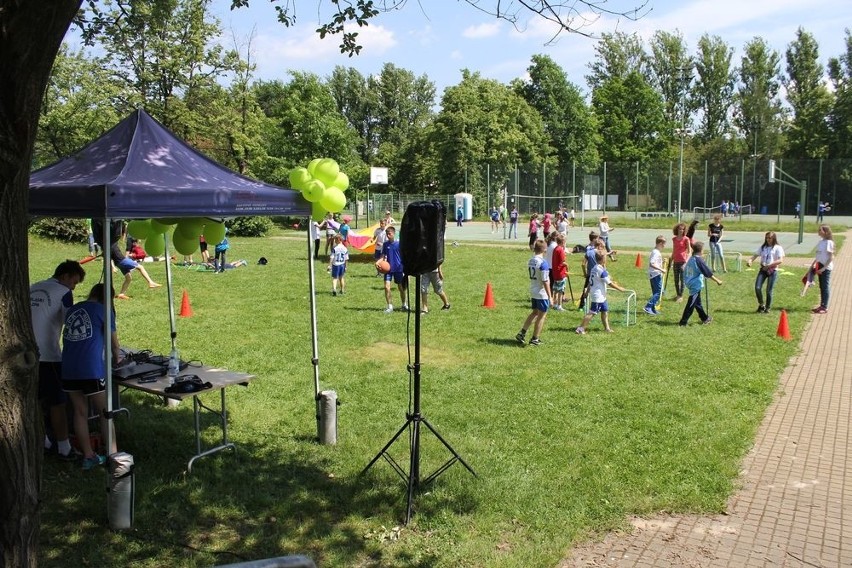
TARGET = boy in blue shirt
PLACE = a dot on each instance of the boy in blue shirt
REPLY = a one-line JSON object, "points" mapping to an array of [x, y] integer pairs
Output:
{"points": [[694, 273], [390, 253]]}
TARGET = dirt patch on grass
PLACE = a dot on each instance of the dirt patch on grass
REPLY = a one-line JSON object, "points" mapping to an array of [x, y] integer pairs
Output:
{"points": [[394, 355]]}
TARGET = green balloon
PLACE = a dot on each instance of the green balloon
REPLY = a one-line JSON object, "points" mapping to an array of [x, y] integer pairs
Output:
{"points": [[317, 212], [312, 166], [185, 245], [155, 244], [214, 233], [314, 190], [341, 182], [169, 220], [326, 171], [158, 227], [189, 228], [333, 200], [139, 229], [299, 177]]}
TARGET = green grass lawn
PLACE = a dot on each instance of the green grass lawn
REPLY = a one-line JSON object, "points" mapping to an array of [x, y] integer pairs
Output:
{"points": [[567, 439]]}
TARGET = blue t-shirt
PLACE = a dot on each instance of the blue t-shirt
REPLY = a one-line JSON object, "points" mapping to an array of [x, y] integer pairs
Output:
{"points": [[83, 342], [390, 251], [344, 231], [591, 259], [694, 273]]}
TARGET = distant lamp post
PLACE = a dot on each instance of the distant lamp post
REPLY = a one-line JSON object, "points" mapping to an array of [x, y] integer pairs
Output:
{"points": [[792, 182], [683, 132], [754, 156]]}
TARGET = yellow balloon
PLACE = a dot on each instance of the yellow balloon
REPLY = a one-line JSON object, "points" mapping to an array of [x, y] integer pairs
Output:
{"points": [[333, 200], [155, 245], [313, 190], [341, 182], [326, 171]]}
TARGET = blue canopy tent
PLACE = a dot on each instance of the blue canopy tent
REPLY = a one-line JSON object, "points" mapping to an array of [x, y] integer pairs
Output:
{"points": [[139, 170]]}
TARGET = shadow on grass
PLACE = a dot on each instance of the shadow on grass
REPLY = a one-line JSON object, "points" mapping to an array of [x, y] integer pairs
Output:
{"points": [[269, 498]]}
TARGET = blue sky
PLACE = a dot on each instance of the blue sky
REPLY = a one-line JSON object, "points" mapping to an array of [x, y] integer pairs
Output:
{"points": [[441, 37]]}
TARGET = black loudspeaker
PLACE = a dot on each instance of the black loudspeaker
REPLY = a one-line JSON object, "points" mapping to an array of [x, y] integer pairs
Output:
{"points": [[421, 238]]}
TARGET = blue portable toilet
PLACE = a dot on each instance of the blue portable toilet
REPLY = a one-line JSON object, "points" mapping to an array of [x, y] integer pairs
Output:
{"points": [[465, 201]]}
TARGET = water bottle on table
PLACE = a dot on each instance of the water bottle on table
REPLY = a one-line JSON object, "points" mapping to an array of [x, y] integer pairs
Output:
{"points": [[174, 366]]}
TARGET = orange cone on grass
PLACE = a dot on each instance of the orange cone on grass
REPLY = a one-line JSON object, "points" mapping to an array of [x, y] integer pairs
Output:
{"points": [[784, 327], [638, 260], [488, 302], [185, 308]]}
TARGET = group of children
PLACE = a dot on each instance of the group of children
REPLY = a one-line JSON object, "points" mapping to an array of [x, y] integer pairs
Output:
{"points": [[548, 272], [386, 250]]}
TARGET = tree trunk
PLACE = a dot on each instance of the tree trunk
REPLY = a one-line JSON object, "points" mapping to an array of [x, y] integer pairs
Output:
{"points": [[30, 34]]}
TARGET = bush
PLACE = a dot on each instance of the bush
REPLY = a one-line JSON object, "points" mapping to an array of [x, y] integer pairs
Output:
{"points": [[60, 228], [250, 226]]}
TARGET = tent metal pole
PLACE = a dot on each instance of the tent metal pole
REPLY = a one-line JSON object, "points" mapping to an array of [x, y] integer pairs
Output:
{"points": [[107, 258], [313, 304], [170, 292]]}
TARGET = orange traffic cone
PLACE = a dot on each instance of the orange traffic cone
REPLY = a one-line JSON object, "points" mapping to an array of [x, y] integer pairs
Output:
{"points": [[784, 327], [638, 260], [488, 302], [185, 308]]}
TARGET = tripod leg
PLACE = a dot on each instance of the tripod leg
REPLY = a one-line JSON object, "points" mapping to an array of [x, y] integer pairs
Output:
{"points": [[448, 446], [413, 468], [388, 445]]}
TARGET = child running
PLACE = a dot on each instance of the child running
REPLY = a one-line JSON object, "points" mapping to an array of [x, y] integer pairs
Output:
{"points": [[539, 273], [337, 265], [598, 281], [694, 273]]}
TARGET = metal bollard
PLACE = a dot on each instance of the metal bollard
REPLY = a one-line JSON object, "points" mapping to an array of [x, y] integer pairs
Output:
{"points": [[121, 491], [327, 423]]}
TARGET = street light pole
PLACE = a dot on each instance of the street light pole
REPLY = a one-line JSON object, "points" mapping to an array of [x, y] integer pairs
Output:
{"points": [[684, 85]]}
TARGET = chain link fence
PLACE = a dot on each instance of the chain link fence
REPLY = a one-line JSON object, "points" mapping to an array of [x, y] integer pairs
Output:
{"points": [[655, 188]]}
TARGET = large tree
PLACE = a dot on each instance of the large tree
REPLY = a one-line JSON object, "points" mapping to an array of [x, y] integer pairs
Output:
{"points": [[714, 88], [809, 98], [668, 66], [31, 32], [483, 121], [757, 106], [840, 119], [568, 120]]}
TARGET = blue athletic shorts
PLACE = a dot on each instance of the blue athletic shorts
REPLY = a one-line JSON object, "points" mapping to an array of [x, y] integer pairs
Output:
{"points": [[338, 270], [598, 307], [395, 277], [540, 305], [127, 264]]}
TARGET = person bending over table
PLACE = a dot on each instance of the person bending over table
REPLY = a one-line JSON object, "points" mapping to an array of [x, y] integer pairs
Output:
{"points": [[84, 368]]}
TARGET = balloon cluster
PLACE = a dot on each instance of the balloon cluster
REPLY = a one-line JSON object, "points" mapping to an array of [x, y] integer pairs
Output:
{"points": [[185, 235], [323, 184]]}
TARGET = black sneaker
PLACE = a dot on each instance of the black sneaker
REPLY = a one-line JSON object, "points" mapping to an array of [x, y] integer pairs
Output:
{"points": [[72, 456], [535, 341], [334, 292], [761, 309], [447, 307], [521, 337]]}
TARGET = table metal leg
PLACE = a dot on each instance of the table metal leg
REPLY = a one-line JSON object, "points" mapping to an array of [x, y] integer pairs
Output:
{"points": [[197, 405]]}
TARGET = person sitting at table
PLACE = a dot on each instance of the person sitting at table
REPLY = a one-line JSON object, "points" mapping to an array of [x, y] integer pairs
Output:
{"points": [[84, 368]]}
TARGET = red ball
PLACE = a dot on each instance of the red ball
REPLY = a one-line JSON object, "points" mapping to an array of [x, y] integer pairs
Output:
{"points": [[383, 266]]}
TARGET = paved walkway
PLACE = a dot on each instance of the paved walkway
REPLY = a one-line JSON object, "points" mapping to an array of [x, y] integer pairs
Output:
{"points": [[794, 507]]}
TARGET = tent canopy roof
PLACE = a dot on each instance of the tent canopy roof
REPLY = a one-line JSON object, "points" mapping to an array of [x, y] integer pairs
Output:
{"points": [[140, 169]]}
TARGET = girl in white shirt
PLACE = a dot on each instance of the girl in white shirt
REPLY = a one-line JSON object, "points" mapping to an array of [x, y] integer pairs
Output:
{"points": [[771, 256]]}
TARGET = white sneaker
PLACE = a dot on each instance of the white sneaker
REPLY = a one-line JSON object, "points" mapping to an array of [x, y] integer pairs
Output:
{"points": [[404, 307], [389, 310]]}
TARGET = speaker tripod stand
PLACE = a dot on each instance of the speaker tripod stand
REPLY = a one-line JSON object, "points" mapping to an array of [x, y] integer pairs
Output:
{"points": [[413, 423]]}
